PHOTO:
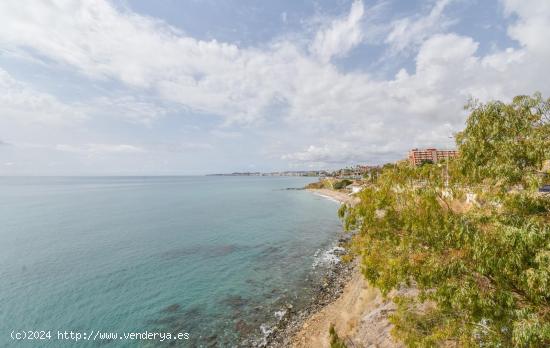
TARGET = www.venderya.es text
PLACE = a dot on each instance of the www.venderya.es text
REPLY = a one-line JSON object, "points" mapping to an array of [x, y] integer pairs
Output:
{"points": [[95, 335]]}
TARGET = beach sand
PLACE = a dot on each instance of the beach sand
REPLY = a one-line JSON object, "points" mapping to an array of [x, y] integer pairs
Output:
{"points": [[342, 197], [360, 317]]}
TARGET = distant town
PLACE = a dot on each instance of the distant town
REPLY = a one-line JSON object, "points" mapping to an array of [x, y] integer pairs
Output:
{"points": [[416, 157], [285, 173]]}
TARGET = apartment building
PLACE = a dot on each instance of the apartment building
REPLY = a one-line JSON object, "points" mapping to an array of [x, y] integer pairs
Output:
{"points": [[419, 156]]}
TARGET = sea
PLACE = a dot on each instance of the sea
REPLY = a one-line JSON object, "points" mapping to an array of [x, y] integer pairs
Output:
{"points": [[212, 260]]}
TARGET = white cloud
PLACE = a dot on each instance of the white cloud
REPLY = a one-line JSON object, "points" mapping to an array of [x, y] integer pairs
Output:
{"points": [[339, 152], [123, 149], [409, 32], [100, 149], [129, 108], [420, 109], [21, 103], [25, 105], [103, 43], [180, 147], [218, 133], [331, 116], [532, 23], [340, 36]]}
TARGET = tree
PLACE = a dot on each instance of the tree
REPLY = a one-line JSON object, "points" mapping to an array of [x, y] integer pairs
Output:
{"points": [[425, 162], [481, 271], [341, 184], [505, 143]]}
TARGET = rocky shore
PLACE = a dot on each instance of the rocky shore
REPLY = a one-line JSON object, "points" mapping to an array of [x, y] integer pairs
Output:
{"points": [[332, 287]]}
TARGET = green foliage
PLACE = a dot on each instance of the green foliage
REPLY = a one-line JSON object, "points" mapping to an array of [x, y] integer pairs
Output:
{"points": [[321, 184], [504, 143], [425, 162], [372, 174], [327, 184], [335, 341], [388, 166], [341, 184], [315, 185], [481, 270]]}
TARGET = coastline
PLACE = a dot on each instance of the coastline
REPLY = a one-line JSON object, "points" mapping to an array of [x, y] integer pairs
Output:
{"points": [[358, 311], [339, 196], [336, 279]]}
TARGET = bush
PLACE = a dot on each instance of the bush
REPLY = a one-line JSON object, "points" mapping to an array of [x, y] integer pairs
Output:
{"points": [[341, 184], [335, 341]]}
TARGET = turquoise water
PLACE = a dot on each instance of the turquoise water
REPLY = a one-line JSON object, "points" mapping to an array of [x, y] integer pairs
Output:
{"points": [[214, 257]]}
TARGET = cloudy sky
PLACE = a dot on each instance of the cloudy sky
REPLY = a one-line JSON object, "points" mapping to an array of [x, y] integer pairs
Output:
{"points": [[144, 87]]}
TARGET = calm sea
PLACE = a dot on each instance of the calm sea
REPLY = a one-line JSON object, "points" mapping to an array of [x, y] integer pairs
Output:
{"points": [[215, 257]]}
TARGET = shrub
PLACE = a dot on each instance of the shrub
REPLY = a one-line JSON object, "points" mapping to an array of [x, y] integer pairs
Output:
{"points": [[341, 184], [335, 341]]}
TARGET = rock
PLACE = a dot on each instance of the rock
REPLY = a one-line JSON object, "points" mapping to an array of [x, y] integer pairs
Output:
{"points": [[172, 308], [243, 328], [328, 289]]}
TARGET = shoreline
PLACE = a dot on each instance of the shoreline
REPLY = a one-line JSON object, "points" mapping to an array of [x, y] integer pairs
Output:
{"points": [[337, 276], [358, 311], [339, 196]]}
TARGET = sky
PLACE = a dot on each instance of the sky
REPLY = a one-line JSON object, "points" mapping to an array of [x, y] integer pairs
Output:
{"points": [[170, 87]]}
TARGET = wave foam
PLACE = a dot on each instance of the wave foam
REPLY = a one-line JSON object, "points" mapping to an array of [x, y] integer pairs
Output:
{"points": [[327, 257], [328, 197]]}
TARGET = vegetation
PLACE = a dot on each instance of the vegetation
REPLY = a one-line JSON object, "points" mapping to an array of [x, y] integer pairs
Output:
{"points": [[470, 255], [331, 184], [321, 184], [335, 341], [426, 161], [341, 184], [505, 143], [315, 185]]}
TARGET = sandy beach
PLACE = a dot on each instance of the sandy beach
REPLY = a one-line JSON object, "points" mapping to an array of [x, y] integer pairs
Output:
{"points": [[342, 197]]}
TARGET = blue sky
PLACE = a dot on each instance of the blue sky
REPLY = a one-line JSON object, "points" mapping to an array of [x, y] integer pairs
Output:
{"points": [[192, 87]]}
